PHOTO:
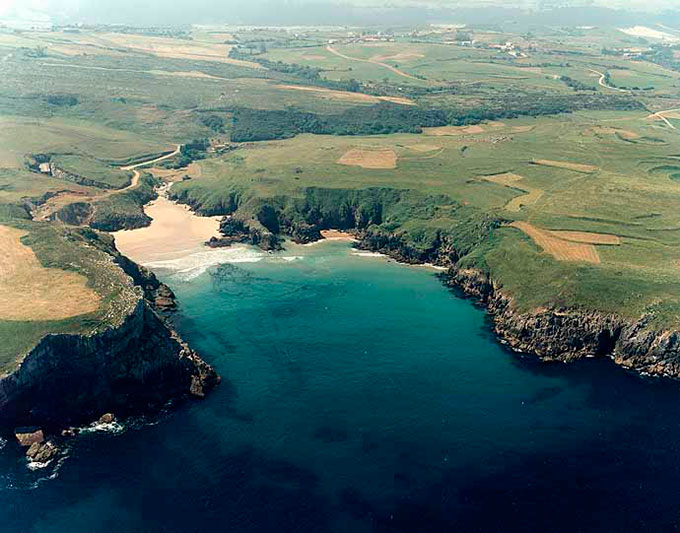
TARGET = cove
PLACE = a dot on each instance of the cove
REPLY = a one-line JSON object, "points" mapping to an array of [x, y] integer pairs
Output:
{"points": [[361, 395]]}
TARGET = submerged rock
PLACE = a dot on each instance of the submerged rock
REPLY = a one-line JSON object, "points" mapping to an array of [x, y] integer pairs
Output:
{"points": [[69, 432]]}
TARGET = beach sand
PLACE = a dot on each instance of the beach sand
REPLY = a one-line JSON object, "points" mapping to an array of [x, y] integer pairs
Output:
{"points": [[174, 233], [337, 235]]}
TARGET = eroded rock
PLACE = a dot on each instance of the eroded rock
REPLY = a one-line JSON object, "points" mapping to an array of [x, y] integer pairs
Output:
{"points": [[29, 436]]}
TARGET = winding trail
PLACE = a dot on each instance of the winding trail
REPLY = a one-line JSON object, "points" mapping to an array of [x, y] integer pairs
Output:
{"points": [[660, 115], [602, 82], [62, 199], [136, 174], [373, 62]]}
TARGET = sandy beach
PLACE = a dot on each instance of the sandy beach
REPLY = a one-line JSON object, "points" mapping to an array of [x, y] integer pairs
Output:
{"points": [[336, 235], [174, 233]]}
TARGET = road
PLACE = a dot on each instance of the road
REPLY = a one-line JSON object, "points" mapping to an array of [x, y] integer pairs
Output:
{"points": [[603, 84], [660, 115], [135, 173], [62, 199]]}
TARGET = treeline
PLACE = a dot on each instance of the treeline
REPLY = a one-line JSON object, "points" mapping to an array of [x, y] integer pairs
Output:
{"points": [[537, 104], [577, 85], [191, 151], [383, 118]]}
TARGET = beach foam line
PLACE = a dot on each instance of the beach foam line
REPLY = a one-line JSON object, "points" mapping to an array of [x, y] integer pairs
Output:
{"points": [[193, 265], [368, 254]]}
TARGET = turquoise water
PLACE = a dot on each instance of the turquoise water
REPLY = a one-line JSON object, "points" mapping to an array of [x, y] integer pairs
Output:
{"points": [[361, 395]]}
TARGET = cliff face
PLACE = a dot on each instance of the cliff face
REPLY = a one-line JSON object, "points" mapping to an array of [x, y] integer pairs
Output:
{"points": [[553, 334], [71, 378], [136, 363]]}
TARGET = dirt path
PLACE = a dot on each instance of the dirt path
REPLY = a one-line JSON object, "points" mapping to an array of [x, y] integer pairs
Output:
{"points": [[62, 199], [602, 82], [373, 62], [660, 115], [136, 174]]}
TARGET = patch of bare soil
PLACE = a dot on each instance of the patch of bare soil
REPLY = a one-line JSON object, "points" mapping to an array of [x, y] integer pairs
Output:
{"points": [[453, 130], [29, 291], [379, 158], [576, 167], [560, 249]]}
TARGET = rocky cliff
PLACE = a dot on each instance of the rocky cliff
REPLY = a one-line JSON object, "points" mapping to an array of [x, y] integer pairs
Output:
{"points": [[563, 334], [557, 334], [552, 334], [139, 362]]}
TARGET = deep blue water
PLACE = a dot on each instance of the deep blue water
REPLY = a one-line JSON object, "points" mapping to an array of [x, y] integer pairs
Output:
{"points": [[360, 395]]}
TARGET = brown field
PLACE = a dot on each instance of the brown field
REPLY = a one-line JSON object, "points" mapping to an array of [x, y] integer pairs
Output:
{"points": [[512, 180], [346, 95], [508, 179], [626, 134], [29, 291], [375, 158], [117, 43], [185, 74], [522, 129], [423, 147], [453, 130], [396, 100], [221, 36], [560, 249], [403, 56], [588, 238], [576, 167]]}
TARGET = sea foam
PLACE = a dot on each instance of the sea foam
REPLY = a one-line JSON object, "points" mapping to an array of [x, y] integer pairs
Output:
{"points": [[193, 265]]}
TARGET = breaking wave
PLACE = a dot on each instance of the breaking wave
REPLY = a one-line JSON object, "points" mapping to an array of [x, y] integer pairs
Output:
{"points": [[193, 265]]}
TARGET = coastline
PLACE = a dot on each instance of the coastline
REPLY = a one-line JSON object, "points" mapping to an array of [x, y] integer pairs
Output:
{"points": [[551, 334]]}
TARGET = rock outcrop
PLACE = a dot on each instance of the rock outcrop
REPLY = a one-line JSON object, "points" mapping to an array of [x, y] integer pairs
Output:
{"points": [[139, 362], [70, 378]]}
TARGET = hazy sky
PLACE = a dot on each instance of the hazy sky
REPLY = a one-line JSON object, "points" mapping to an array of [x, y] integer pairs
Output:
{"points": [[248, 11]]}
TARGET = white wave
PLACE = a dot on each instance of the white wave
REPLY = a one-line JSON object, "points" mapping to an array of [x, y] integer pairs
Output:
{"points": [[368, 254], [193, 265], [34, 465], [112, 427], [292, 258]]}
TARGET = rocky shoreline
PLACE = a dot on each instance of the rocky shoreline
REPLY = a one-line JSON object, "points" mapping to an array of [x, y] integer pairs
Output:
{"points": [[552, 334], [555, 334]]}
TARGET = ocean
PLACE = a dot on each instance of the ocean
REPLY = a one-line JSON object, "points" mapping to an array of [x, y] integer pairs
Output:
{"points": [[361, 395]]}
